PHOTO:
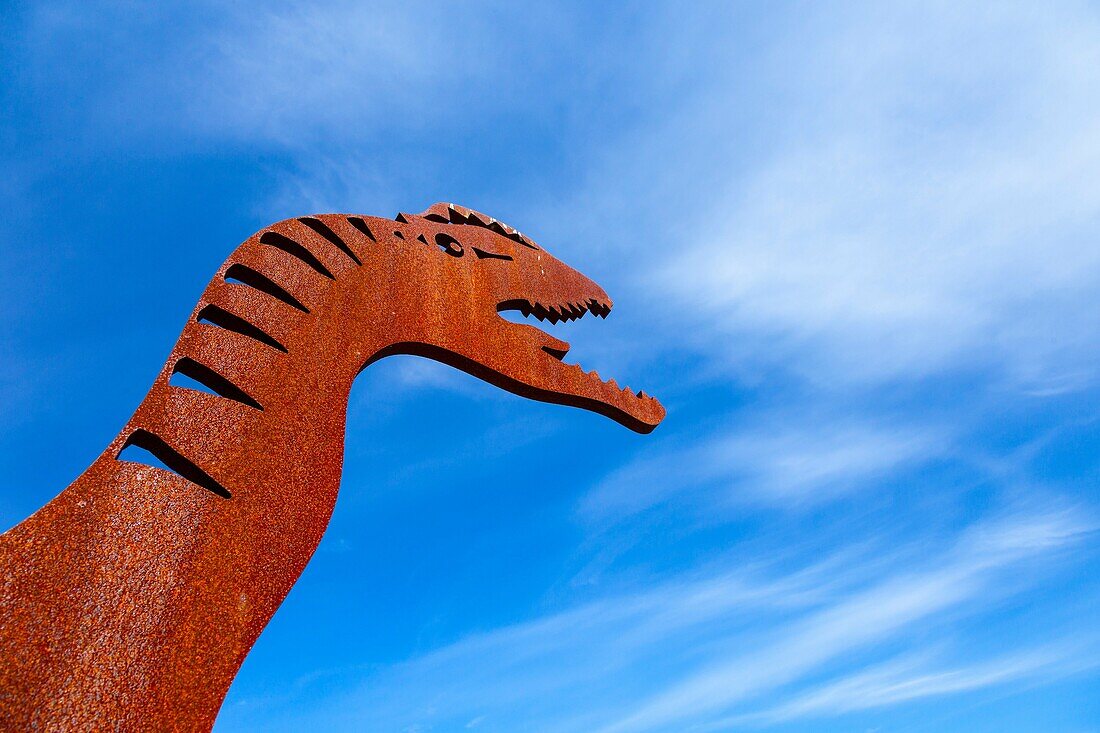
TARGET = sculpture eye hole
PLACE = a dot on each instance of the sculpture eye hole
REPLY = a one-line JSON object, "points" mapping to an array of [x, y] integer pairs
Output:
{"points": [[449, 244]]}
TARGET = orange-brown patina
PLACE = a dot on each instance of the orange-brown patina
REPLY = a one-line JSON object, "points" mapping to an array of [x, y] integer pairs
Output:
{"points": [[130, 601]]}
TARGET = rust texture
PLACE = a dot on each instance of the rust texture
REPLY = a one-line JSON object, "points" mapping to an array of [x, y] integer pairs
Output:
{"points": [[130, 600]]}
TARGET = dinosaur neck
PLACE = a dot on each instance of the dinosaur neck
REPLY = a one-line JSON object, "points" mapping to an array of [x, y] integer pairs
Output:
{"points": [[135, 594]]}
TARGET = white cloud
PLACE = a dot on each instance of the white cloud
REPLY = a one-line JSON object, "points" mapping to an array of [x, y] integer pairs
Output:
{"points": [[915, 676], [341, 78], [696, 650], [301, 74], [925, 199], [790, 461], [881, 611]]}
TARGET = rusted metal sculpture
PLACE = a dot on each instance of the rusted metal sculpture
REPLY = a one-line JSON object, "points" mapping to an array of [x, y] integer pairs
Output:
{"points": [[130, 600]]}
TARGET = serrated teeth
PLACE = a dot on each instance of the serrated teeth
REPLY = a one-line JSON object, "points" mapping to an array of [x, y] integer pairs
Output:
{"points": [[610, 390], [566, 311], [598, 308]]}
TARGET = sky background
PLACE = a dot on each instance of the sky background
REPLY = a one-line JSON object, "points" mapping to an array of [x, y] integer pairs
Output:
{"points": [[853, 248]]}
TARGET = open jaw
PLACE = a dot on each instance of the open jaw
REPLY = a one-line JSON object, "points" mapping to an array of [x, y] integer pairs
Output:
{"points": [[570, 384]]}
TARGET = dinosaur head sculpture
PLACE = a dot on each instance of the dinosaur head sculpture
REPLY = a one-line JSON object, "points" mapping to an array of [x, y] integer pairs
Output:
{"points": [[186, 551], [492, 268]]}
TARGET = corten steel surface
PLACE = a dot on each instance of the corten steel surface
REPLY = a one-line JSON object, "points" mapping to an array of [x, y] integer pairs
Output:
{"points": [[130, 600]]}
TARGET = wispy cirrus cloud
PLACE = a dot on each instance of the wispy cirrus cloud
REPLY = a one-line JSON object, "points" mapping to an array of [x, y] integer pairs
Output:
{"points": [[927, 204], [920, 675], [288, 75], [765, 631], [780, 461], [880, 611]]}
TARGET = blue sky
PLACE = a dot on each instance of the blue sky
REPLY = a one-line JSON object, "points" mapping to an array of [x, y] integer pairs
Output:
{"points": [[853, 248]]}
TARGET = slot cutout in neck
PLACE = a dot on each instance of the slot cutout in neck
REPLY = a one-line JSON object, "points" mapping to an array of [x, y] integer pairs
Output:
{"points": [[142, 444], [247, 276], [360, 224], [292, 248], [321, 228], [205, 379], [222, 318]]}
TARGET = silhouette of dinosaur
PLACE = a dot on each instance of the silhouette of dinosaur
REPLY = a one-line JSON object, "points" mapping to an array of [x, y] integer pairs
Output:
{"points": [[130, 600]]}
